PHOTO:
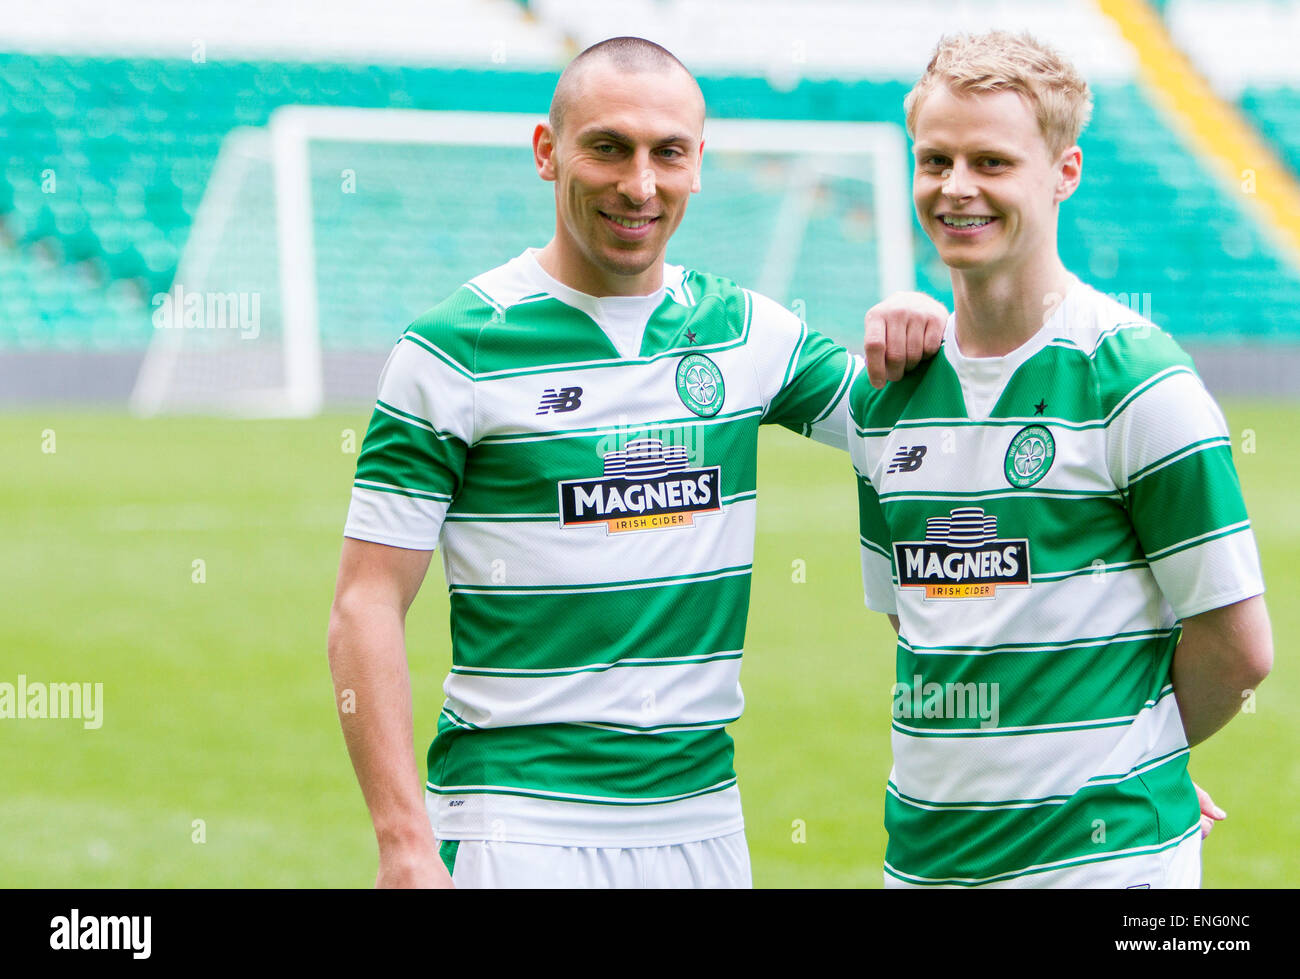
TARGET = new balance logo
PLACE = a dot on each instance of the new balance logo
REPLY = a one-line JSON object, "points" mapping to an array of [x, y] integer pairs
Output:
{"points": [[908, 459], [566, 399]]}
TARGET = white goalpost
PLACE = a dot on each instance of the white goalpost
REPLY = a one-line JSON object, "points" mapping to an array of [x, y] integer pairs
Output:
{"points": [[321, 237]]}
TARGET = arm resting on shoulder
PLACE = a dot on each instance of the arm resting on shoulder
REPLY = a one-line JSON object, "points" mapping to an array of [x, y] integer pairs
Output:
{"points": [[900, 332], [1222, 654], [372, 685]]}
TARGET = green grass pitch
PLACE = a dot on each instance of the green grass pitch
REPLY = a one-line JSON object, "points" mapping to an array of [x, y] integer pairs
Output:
{"points": [[219, 722]]}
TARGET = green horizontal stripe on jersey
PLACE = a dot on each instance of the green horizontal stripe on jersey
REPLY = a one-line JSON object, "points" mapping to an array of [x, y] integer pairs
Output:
{"points": [[637, 627], [1201, 539], [415, 420], [524, 477], [873, 531], [1191, 497], [1127, 361], [1081, 391], [401, 491], [821, 370], [1102, 679], [401, 455], [671, 427], [945, 845], [627, 662], [1061, 378], [876, 412], [540, 334], [1050, 523], [580, 763], [877, 549], [1189, 449]]}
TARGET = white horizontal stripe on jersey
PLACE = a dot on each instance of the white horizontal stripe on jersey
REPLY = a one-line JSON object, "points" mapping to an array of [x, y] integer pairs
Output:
{"points": [[522, 819], [644, 697], [1213, 573], [784, 334], [832, 426], [1066, 609], [979, 457], [878, 582], [411, 420], [1170, 863], [614, 400], [417, 383], [1164, 418], [487, 553], [1014, 768], [394, 519]]}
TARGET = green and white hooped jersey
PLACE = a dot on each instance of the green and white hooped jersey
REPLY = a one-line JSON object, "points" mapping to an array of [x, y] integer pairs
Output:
{"points": [[587, 467], [1039, 523]]}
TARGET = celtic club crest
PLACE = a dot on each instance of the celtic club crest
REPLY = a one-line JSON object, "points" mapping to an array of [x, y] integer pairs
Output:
{"points": [[699, 385], [1029, 456]]}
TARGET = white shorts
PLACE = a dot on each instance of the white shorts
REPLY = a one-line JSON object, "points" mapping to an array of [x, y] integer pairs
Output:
{"points": [[722, 862], [1176, 867]]}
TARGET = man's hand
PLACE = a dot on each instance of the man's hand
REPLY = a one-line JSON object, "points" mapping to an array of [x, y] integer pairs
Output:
{"points": [[415, 865], [1210, 813], [900, 332]]}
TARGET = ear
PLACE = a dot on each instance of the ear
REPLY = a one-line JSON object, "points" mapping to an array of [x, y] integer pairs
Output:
{"points": [[699, 166], [1069, 173], [544, 151]]}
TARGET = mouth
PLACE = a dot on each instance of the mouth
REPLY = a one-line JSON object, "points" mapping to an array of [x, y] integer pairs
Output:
{"points": [[629, 229], [964, 221], [965, 227]]}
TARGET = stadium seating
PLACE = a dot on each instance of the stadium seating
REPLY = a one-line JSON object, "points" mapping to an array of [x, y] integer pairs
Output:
{"points": [[130, 141]]}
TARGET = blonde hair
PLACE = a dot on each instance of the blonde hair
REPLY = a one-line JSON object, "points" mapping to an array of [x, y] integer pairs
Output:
{"points": [[1000, 61]]}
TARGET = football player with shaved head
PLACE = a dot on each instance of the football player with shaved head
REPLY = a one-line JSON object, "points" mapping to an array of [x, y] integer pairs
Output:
{"points": [[577, 431]]}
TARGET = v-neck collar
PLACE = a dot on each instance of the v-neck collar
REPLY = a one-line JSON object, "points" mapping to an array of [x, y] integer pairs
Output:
{"points": [[983, 379], [623, 319]]}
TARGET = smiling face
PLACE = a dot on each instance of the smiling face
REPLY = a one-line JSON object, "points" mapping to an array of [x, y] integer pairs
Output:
{"points": [[625, 162], [986, 185]]}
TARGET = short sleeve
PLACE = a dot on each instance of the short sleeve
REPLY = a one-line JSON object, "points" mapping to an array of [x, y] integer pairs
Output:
{"points": [[804, 377], [1171, 455], [874, 540], [413, 456]]}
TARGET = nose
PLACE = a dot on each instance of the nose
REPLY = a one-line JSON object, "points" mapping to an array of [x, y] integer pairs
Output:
{"points": [[637, 183], [956, 182]]}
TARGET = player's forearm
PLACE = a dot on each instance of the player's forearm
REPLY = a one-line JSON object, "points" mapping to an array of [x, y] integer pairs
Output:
{"points": [[1221, 658], [367, 652]]}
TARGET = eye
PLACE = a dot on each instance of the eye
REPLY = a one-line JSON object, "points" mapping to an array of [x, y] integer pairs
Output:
{"points": [[671, 153], [996, 163], [934, 161]]}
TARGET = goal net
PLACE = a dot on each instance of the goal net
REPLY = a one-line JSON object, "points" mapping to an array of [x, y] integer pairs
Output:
{"points": [[321, 237]]}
